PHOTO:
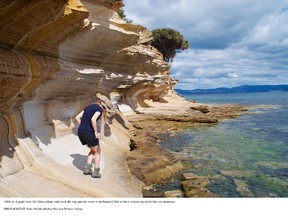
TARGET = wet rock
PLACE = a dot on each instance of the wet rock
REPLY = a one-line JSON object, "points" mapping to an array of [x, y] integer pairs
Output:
{"points": [[216, 177], [227, 111], [152, 192], [195, 183], [194, 119], [272, 165], [196, 188], [174, 194], [190, 176], [237, 173], [204, 109], [243, 188], [149, 162]]}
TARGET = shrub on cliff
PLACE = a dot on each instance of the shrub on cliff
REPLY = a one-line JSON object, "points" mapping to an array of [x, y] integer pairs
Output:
{"points": [[121, 12], [168, 42]]}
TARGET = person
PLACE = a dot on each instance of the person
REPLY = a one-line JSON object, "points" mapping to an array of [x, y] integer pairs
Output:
{"points": [[91, 121]]}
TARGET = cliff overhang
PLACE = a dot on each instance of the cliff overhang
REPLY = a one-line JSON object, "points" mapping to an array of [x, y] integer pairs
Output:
{"points": [[54, 57]]}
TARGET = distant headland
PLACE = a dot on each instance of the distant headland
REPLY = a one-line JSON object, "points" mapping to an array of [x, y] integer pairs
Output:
{"points": [[239, 89]]}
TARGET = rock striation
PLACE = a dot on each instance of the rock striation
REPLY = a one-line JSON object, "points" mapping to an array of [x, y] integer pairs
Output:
{"points": [[153, 164], [54, 57]]}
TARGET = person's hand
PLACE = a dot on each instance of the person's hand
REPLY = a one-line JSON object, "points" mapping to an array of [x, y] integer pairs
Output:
{"points": [[97, 135]]}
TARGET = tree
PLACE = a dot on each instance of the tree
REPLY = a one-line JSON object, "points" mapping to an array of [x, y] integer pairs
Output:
{"points": [[121, 11], [122, 15], [168, 42]]}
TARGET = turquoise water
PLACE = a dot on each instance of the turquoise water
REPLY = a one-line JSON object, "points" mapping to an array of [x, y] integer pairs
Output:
{"points": [[243, 157]]}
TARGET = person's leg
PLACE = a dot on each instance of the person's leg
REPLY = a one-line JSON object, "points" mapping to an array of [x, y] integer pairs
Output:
{"points": [[90, 155], [97, 156], [97, 152], [88, 167]]}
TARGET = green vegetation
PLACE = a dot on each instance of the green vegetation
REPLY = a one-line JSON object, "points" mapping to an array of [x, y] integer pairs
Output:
{"points": [[121, 12], [122, 15], [168, 42]]}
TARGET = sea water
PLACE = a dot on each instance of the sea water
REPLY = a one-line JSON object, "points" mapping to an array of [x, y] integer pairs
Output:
{"points": [[242, 157]]}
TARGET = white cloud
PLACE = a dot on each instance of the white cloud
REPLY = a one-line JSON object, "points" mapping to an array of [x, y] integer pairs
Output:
{"points": [[232, 42], [228, 67]]}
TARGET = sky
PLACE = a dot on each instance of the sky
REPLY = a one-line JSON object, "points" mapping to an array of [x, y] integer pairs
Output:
{"points": [[232, 42]]}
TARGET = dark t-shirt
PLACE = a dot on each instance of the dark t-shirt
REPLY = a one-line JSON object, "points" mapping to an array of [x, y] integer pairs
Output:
{"points": [[89, 111]]}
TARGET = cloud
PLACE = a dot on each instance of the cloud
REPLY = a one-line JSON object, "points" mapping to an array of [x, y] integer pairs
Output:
{"points": [[231, 42], [227, 68]]}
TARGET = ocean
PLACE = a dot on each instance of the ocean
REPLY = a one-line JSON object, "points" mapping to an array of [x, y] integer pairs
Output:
{"points": [[243, 157]]}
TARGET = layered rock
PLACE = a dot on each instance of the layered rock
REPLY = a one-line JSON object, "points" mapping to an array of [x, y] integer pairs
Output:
{"points": [[55, 56], [151, 163]]}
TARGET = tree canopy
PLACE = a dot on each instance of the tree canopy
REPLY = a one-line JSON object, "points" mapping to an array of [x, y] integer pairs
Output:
{"points": [[122, 15], [168, 42], [121, 11]]}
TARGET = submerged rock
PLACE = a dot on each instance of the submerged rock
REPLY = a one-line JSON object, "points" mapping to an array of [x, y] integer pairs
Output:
{"points": [[237, 173], [152, 192], [55, 57], [242, 188], [195, 186], [195, 183]]}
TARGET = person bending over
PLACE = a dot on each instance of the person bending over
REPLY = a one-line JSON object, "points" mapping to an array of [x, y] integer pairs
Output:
{"points": [[90, 120]]}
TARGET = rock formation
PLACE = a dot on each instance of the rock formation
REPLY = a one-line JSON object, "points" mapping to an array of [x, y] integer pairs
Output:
{"points": [[55, 56]]}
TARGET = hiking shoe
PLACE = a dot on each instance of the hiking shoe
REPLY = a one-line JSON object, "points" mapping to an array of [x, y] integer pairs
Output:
{"points": [[96, 173], [88, 169]]}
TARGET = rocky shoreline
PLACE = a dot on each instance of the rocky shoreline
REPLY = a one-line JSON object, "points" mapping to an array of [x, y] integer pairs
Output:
{"points": [[56, 56], [152, 164]]}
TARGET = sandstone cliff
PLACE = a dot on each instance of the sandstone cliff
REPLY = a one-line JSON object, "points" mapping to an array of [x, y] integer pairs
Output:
{"points": [[54, 56]]}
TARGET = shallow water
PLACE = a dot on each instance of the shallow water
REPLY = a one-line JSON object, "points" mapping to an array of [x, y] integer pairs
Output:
{"points": [[244, 157]]}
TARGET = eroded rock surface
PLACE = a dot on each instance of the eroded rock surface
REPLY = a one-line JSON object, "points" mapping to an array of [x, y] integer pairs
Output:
{"points": [[54, 57], [153, 164]]}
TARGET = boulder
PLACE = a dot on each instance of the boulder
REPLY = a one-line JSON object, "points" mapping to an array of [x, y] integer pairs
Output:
{"points": [[174, 194], [196, 188]]}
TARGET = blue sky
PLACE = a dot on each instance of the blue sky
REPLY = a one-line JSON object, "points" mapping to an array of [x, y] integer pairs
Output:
{"points": [[232, 42]]}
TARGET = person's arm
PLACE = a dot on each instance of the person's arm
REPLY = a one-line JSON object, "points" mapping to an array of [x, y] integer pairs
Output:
{"points": [[79, 116], [94, 123]]}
